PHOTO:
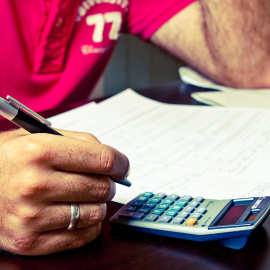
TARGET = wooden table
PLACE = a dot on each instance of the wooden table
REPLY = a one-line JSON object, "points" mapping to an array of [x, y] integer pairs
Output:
{"points": [[123, 250]]}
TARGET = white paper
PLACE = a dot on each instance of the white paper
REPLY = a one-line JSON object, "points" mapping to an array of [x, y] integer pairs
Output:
{"points": [[195, 150], [226, 96]]}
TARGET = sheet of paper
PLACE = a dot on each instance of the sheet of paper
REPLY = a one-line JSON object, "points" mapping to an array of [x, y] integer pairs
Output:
{"points": [[201, 151], [190, 76], [235, 99], [227, 96]]}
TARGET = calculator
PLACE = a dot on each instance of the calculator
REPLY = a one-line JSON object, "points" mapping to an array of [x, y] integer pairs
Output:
{"points": [[230, 221]]}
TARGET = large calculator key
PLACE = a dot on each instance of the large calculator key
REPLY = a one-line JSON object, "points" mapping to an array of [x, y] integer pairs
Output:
{"points": [[151, 218], [191, 221], [131, 215], [165, 219]]}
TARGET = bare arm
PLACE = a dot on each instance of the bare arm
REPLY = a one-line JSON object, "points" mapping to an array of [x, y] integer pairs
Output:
{"points": [[228, 40]]}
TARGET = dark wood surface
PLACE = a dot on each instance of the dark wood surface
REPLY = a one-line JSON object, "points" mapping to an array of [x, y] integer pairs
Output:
{"points": [[124, 250]]}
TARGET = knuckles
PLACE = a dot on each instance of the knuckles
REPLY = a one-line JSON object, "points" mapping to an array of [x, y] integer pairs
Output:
{"points": [[104, 190], [31, 149], [107, 159], [29, 187], [23, 244], [25, 216], [95, 215]]}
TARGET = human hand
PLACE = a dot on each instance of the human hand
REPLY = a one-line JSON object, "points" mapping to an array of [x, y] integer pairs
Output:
{"points": [[40, 175]]}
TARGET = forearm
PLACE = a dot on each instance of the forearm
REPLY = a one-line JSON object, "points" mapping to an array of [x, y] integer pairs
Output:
{"points": [[237, 33], [228, 40]]}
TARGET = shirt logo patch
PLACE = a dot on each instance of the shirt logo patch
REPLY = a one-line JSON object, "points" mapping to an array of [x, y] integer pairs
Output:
{"points": [[104, 22]]}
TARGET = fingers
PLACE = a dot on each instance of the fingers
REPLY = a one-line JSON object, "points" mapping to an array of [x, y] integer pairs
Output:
{"points": [[89, 157], [36, 232], [90, 215], [56, 217], [41, 174], [75, 187], [72, 154], [56, 241]]}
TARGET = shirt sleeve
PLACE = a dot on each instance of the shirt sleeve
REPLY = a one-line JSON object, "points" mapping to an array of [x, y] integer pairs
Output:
{"points": [[146, 16]]}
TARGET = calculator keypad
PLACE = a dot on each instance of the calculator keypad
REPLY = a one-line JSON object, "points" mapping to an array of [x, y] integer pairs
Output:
{"points": [[173, 209]]}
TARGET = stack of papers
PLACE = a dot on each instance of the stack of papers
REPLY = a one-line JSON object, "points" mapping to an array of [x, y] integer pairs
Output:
{"points": [[213, 152], [226, 96]]}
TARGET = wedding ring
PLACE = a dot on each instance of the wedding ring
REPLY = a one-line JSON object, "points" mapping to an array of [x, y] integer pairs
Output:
{"points": [[75, 216]]}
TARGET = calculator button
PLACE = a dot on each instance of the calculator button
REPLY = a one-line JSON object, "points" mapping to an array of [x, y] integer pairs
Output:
{"points": [[161, 195], [186, 198], [142, 199], [182, 203], [144, 210], [131, 215], [176, 207], [178, 220], [155, 200], [165, 219], [148, 194], [131, 208], [168, 201], [151, 218], [189, 209], [163, 206], [173, 196], [201, 210], [199, 199], [194, 204], [184, 214], [158, 212], [191, 221], [171, 213], [196, 215], [137, 203], [150, 205]]}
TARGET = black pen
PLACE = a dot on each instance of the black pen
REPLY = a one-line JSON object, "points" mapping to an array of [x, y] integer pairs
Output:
{"points": [[29, 120]]}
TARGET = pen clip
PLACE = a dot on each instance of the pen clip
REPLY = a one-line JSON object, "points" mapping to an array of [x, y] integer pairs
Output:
{"points": [[19, 105]]}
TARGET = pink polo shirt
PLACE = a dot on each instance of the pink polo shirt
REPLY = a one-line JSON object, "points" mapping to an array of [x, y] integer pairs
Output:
{"points": [[54, 51]]}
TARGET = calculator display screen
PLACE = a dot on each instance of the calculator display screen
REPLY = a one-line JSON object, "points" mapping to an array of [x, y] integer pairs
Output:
{"points": [[233, 215]]}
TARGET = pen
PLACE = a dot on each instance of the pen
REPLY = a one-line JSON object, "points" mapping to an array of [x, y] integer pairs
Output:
{"points": [[32, 122]]}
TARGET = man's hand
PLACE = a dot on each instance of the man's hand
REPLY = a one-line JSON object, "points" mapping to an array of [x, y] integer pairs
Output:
{"points": [[228, 40], [40, 175]]}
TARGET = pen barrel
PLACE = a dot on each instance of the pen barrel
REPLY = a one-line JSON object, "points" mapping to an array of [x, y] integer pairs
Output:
{"points": [[31, 124]]}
